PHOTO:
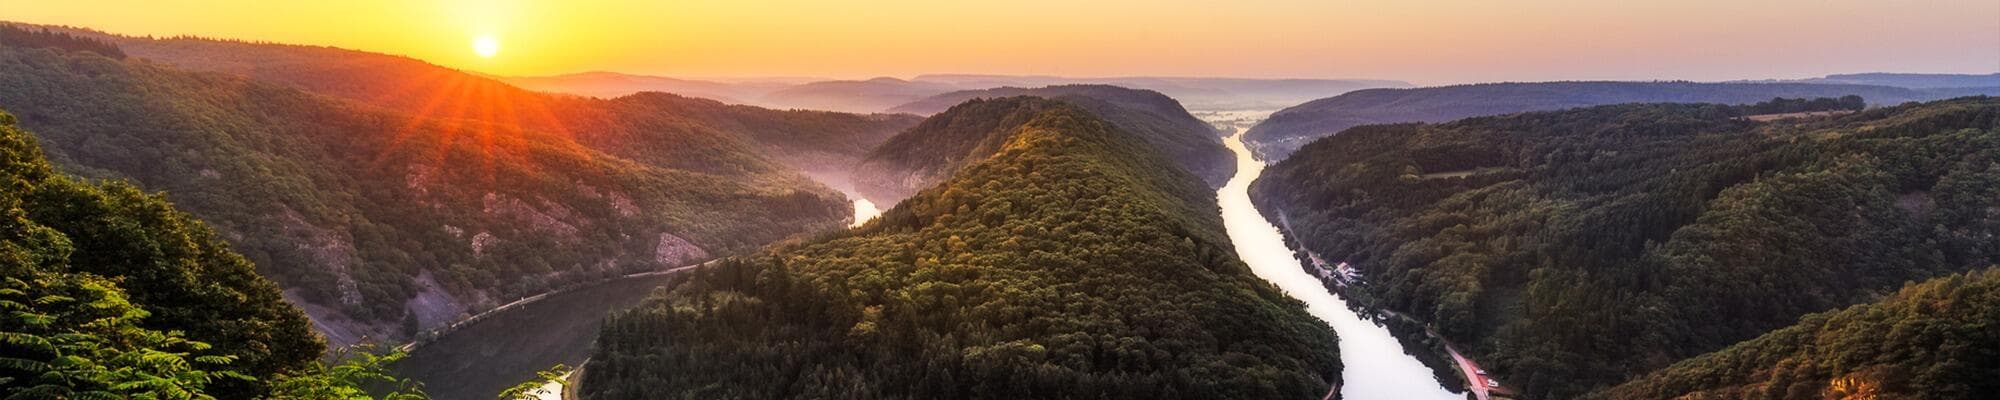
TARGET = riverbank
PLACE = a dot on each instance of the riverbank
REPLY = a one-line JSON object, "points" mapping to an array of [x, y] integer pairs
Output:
{"points": [[1443, 355], [503, 346], [482, 357], [426, 337], [1375, 364]]}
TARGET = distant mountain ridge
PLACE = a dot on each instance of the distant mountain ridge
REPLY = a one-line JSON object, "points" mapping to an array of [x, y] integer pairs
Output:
{"points": [[1144, 100], [862, 96], [1903, 80], [612, 84], [879, 94], [1287, 130], [1207, 93]]}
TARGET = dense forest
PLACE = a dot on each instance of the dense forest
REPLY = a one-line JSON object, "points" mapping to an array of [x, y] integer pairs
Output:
{"points": [[940, 145], [31, 38], [110, 292], [1159, 119], [929, 152], [1288, 129], [1793, 106], [1933, 340], [1061, 265], [392, 216], [1572, 250]]}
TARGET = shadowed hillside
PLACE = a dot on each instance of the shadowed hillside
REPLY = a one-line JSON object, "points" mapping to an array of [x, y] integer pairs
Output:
{"points": [[1577, 249], [1291, 128], [1933, 340]]}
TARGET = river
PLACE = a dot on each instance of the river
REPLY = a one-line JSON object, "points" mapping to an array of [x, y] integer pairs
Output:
{"points": [[1376, 367], [864, 210], [479, 360]]}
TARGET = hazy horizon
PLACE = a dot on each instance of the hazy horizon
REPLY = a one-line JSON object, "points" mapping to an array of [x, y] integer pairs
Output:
{"points": [[1424, 44], [808, 79]]}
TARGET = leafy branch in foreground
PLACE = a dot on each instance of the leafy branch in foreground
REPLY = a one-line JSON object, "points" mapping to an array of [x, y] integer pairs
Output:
{"points": [[76, 336], [358, 367], [532, 389]]}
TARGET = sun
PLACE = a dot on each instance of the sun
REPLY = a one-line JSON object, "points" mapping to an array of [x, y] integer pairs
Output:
{"points": [[485, 46]]}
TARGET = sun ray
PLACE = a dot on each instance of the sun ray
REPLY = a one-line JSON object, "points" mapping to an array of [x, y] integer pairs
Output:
{"points": [[439, 97]]}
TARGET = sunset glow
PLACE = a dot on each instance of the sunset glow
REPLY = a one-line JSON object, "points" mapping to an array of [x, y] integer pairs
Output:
{"points": [[1432, 42], [485, 46], [1026, 199]]}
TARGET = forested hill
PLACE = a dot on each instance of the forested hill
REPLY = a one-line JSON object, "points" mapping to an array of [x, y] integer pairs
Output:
{"points": [[1140, 100], [1571, 250], [1158, 119], [928, 153], [1935, 340], [384, 220], [108, 289], [1070, 263], [1291, 128], [665, 130]]}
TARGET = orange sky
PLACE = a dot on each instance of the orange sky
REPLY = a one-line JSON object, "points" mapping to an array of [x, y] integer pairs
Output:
{"points": [[1422, 41]]}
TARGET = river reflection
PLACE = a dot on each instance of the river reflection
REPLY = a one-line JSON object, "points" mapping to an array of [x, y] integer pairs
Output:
{"points": [[478, 361]]}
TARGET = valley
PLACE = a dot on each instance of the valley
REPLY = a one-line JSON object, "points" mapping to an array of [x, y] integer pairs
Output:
{"points": [[1066, 262], [1025, 200], [489, 354], [1681, 228], [507, 347], [1377, 365]]}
